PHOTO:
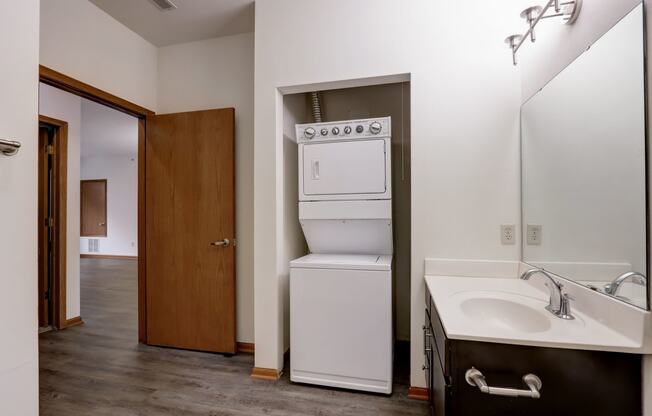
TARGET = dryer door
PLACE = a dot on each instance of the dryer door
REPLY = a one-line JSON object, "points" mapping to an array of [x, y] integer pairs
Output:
{"points": [[344, 168]]}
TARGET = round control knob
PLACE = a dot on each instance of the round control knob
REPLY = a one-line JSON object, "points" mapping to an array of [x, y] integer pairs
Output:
{"points": [[375, 127], [324, 132], [309, 133], [359, 129], [335, 131], [347, 130]]}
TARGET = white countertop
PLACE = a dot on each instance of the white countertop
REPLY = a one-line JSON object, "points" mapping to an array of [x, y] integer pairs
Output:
{"points": [[585, 332]]}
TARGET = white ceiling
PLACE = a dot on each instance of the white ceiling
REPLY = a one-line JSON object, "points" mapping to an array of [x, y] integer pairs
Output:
{"points": [[192, 20], [107, 132]]}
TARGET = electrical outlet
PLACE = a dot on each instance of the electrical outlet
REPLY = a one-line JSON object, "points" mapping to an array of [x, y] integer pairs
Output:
{"points": [[508, 234], [533, 235]]}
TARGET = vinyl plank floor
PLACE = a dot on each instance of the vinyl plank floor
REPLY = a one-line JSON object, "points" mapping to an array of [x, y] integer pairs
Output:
{"points": [[99, 368]]}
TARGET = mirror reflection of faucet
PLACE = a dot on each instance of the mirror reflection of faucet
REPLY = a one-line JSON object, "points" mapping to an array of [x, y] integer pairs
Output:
{"points": [[613, 287]]}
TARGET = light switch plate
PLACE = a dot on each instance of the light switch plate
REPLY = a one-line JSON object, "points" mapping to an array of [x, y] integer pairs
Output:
{"points": [[508, 234], [533, 235]]}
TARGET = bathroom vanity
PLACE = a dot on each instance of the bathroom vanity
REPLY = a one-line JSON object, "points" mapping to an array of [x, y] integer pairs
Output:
{"points": [[573, 381]]}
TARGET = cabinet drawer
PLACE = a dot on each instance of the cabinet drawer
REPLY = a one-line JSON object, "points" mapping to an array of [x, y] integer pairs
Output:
{"points": [[574, 382]]}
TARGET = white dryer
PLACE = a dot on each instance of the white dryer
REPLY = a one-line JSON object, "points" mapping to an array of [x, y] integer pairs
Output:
{"points": [[341, 294]]}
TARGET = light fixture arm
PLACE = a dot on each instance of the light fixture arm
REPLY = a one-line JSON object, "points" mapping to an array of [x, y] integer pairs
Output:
{"points": [[569, 10]]}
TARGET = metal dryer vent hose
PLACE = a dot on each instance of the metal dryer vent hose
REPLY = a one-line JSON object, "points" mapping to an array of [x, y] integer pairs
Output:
{"points": [[316, 106]]}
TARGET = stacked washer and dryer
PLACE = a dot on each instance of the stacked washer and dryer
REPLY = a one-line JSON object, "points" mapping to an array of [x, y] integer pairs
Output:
{"points": [[341, 331]]}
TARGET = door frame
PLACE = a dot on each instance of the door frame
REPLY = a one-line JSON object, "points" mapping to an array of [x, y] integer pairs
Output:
{"points": [[60, 185], [66, 83]]}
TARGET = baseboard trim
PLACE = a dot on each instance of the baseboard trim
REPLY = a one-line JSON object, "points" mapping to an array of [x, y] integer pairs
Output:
{"points": [[418, 393], [268, 374], [246, 347], [77, 320], [107, 257]]}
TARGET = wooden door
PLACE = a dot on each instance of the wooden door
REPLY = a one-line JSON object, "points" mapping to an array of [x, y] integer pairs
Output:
{"points": [[190, 230], [44, 229], [93, 208]]}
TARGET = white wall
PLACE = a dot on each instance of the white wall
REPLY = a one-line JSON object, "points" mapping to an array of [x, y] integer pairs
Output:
{"points": [[81, 41], [18, 202], [218, 73], [64, 106], [121, 173], [464, 110]]}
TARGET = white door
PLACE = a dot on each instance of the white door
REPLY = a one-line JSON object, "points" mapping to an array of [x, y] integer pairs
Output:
{"points": [[345, 168]]}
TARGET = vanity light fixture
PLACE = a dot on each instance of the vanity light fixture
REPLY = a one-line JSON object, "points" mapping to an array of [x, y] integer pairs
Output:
{"points": [[567, 10]]}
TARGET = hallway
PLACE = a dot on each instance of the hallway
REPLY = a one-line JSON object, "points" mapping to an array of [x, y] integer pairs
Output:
{"points": [[99, 366]]}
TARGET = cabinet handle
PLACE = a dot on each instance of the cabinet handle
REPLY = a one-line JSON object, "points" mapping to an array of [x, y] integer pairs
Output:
{"points": [[476, 379]]}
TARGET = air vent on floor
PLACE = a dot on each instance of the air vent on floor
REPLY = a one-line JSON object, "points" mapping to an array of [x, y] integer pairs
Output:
{"points": [[93, 245], [164, 5]]}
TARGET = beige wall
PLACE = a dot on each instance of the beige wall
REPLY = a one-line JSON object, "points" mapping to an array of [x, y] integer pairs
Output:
{"points": [[81, 41], [465, 97], [18, 202], [62, 105], [218, 73]]}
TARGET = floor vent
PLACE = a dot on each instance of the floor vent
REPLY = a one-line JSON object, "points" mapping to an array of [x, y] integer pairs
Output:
{"points": [[93, 245]]}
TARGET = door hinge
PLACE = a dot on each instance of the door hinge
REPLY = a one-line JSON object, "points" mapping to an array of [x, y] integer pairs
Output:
{"points": [[48, 222], [46, 295], [50, 149]]}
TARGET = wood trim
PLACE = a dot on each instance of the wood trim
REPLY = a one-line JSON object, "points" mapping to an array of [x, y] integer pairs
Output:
{"points": [[418, 393], [60, 220], [107, 256], [66, 83], [268, 374], [246, 347], [106, 207], [142, 226], [73, 322]]}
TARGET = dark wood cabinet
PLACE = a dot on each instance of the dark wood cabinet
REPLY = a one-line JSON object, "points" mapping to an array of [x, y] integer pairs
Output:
{"points": [[575, 382]]}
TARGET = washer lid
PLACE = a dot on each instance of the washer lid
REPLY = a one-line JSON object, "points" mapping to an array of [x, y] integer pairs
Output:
{"points": [[343, 261]]}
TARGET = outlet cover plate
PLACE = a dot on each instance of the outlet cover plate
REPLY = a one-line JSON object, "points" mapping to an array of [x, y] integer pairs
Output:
{"points": [[533, 235], [508, 234]]}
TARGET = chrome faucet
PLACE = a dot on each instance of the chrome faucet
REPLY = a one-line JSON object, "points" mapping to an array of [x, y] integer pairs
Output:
{"points": [[613, 287], [559, 304]]}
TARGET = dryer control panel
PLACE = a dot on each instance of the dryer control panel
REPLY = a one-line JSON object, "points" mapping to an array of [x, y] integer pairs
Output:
{"points": [[343, 130]]}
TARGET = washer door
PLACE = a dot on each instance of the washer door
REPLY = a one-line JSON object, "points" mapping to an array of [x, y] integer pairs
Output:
{"points": [[345, 168]]}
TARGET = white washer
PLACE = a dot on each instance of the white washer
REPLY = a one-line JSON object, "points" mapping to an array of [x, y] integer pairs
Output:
{"points": [[341, 321], [341, 295]]}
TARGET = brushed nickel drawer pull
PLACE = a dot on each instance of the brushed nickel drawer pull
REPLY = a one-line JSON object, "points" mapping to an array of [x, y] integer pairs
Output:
{"points": [[475, 378]]}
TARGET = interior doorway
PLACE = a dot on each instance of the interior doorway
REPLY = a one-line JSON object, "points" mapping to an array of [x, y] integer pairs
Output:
{"points": [[52, 193], [185, 220]]}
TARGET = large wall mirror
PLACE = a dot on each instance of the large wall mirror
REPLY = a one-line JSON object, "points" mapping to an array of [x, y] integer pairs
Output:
{"points": [[583, 144]]}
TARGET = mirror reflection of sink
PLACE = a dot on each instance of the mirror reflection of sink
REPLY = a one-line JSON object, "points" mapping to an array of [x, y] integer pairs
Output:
{"points": [[506, 313]]}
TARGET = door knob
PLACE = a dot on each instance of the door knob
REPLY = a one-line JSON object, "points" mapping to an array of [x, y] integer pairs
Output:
{"points": [[221, 243], [102, 224]]}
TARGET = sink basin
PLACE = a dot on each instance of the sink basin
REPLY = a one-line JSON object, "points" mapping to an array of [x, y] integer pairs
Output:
{"points": [[505, 314]]}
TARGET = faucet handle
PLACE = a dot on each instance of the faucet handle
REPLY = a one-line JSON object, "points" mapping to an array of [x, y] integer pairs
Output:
{"points": [[564, 308]]}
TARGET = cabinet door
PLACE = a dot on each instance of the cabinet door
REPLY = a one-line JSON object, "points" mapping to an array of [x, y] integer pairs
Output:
{"points": [[574, 382]]}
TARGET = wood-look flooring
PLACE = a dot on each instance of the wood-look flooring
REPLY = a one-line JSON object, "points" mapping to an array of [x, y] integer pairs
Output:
{"points": [[99, 368]]}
